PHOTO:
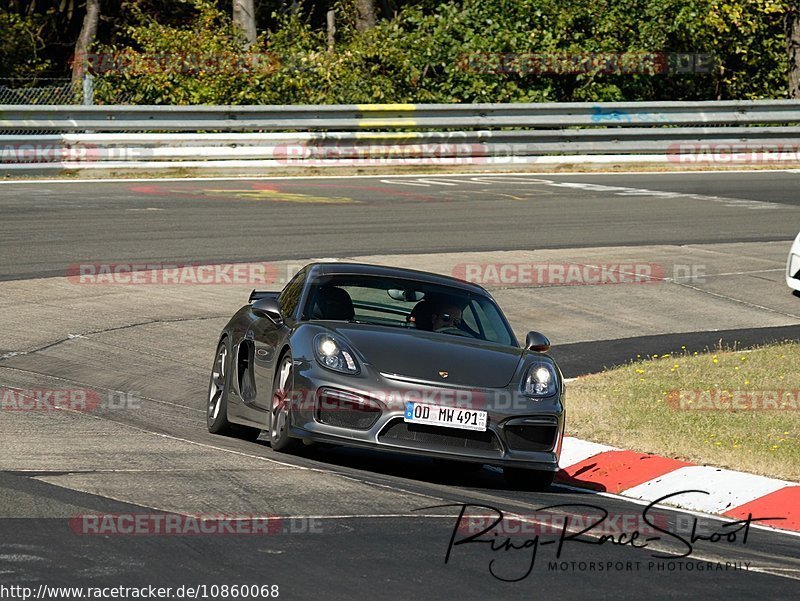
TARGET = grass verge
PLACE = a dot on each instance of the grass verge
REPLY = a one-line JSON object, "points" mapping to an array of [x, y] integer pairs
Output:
{"points": [[729, 408]]}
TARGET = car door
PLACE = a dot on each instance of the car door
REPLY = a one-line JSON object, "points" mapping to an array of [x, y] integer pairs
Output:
{"points": [[269, 338]]}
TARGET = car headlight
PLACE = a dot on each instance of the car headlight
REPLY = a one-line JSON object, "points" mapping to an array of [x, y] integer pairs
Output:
{"points": [[334, 355], [540, 380]]}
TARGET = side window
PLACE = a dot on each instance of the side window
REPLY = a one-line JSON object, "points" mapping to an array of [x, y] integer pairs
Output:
{"points": [[492, 327], [290, 295], [470, 319]]}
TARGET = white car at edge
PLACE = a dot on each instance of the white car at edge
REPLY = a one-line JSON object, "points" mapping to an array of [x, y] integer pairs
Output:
{"points": [[793, 266]]}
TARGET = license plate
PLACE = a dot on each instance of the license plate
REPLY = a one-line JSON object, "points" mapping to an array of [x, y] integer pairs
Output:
{"points": [[449, 417]]}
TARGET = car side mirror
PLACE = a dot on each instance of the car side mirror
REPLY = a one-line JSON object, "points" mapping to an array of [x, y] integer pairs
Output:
{"points": [[267, 307], [536, 341]]}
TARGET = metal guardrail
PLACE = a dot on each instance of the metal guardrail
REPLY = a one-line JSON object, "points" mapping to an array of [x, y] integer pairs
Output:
{"points": [[268, 136], [373, 116]]}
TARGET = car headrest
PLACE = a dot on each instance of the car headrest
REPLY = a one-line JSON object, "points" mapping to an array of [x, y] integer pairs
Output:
{"points": [[422, 315], [333, 303]]}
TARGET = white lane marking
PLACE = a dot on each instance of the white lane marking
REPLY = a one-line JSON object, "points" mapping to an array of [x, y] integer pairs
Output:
{"points": [[437, 182], [588, 187], [377, 176], [728, 489], [737, 300], [386, 181], [717, 275], [252, 456], [625, 191], [92, 387], [503, 179], [734, 255]]}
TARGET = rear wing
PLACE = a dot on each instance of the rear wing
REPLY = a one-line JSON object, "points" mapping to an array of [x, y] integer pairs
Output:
{"points": [[259, 294]]}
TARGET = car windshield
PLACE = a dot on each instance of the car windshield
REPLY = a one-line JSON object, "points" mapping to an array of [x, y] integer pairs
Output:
{"points": [[409, 304]]}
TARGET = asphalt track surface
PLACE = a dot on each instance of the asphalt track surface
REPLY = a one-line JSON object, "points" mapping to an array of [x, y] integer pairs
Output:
{"points": [[47, 227], [353, 524]]}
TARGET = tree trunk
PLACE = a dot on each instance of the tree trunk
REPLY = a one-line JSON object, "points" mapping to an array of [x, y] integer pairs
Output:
{"points": [[793, 47], [365, 14], [85, 39], [244, 16], [330, 18]]}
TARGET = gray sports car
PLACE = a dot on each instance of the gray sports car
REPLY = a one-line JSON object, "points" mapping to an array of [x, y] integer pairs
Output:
{"points": [[393, 359]]}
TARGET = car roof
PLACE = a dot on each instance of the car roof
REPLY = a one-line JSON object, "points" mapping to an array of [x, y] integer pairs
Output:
{"points": [[325, 269]]}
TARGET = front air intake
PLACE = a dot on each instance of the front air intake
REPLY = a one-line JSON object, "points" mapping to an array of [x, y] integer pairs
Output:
{"points": [[345, 409]]}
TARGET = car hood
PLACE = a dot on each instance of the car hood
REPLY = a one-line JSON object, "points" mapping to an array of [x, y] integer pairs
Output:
{"points": [[423, 355]]}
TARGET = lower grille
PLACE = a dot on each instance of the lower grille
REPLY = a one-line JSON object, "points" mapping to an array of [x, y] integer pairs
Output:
{"points": [[425, 436], [346, 410], [531, 434]]}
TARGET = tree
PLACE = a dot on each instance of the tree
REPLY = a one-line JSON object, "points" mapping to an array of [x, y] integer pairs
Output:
{"points": [[793, 47], [365, 14], [85, 39], [20, 47], [244, 17]]}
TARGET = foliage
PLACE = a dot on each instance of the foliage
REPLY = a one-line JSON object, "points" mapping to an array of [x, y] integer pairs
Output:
{"points": [[19, 46], [460, 51]]}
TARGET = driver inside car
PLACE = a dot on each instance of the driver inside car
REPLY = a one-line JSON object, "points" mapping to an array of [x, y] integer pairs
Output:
{"points": [[446, 316]]}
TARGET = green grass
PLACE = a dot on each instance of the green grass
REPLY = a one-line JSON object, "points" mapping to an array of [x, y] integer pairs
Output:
{"points": [[679, 406]]}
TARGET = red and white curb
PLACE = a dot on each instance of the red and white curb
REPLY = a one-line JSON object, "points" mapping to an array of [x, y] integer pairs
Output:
{"points": [[649, 477]]}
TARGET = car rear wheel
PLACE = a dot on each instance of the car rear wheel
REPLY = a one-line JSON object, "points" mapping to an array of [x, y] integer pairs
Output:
{"points": [[218, 389], [279, 416], [526, 479]]}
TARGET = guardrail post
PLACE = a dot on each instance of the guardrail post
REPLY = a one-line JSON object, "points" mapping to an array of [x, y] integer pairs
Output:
{"points": [[88, 89]]}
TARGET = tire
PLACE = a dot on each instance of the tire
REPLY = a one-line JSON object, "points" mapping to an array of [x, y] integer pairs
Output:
{"points": [[282, 386], [525, 479], [218, 389]]}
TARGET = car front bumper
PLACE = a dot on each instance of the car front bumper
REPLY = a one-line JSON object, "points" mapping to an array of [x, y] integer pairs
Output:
{"points": [[521, 431]]}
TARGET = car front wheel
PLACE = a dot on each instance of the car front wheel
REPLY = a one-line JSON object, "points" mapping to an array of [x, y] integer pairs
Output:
{"points": [[279, 415], [218, 389]]}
